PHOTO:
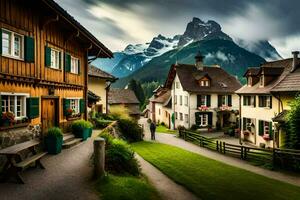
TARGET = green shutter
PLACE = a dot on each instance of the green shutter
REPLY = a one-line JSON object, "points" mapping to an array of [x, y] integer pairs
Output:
{"points": [[32, 107], [82, 106], [260, 127], [229, 100], [47, 56], [79, 67], [244, 123], [197, 118], [208, 104], [198, 101], [271, 130], [270, 101], [66, 106], [67, 62], [244, 100], [254, 101], [209, 118], [60, 60], [0, 41], [0, 106], [219, 100], [29, 49]]}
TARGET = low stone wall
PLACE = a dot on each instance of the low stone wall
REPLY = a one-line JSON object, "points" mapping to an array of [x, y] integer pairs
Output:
{"points": [[14, 136], [112, 129]]}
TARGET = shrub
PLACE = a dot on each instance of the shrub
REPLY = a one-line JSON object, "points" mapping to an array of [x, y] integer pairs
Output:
{"points": [[81, 124], [293, 125], [130, 130], [101, 123], [163, 124], [119, 112], [55, 132], [194, 127], [120, 158], [108, 138]]}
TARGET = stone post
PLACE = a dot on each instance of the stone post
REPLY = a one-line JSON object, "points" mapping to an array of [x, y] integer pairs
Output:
{"points": [[99, 157]]}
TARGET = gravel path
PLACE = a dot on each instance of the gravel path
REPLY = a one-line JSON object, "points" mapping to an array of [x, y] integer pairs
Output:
{"points": [[168, 189], [67, 177], [170, 139]]}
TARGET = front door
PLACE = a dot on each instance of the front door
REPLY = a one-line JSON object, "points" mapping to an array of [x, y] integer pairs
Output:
{"points": [[48, 114]]}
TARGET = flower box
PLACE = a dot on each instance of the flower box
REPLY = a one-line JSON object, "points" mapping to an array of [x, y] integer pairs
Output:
{"points": [[266, 137]]}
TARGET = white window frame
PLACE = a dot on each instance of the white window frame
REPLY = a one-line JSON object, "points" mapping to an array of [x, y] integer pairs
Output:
{"points": [[204, 120], [186, 118], [226, 100], [177, 85], [186, 100], [56, 62], [24, 95], [175, 99], [77, 110], [181, 116], [74, 69], [180, 100], [204, 83], [11, 54], [203, 97]]}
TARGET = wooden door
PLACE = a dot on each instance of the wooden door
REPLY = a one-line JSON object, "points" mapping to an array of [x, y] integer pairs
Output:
{"points": [[48, 114]]}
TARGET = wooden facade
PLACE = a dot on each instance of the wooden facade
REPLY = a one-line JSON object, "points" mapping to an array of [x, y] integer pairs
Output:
{"points": [[47, 26]]}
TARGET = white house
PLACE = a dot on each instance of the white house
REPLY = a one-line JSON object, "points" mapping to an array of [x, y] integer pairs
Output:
{"points": [[203, 95]]}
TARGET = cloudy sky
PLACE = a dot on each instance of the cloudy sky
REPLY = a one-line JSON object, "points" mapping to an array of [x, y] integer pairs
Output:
{"points": [[118, 23]]}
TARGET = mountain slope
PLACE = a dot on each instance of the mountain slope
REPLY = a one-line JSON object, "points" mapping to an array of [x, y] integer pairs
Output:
{"points": [[225, 53]]}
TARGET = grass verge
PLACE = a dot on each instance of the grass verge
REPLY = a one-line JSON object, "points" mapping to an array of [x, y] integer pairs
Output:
{"points": [[115, 187], [163, 129], [210, 179]]}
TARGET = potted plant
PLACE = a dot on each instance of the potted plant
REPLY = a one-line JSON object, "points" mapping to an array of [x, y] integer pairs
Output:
{"points": [[54, 140], [82, 129], [69, 112], [209, 128], [8, 118]]}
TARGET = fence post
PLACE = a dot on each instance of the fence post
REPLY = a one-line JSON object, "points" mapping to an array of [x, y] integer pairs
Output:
{"points": [[274, 157], [217, 145], [224, 147], [245, 152], [99, 157], [242, 152]]}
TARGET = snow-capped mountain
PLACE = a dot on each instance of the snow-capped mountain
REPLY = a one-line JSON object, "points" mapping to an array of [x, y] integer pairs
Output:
{"points": [[134, 57]]}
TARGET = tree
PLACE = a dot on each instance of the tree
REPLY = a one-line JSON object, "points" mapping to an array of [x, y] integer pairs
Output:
{"points": [[293, 125], [136, 87]]}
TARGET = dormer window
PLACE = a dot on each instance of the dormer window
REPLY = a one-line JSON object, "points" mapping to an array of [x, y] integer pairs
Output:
{"points": [[261, 81], [249, 81], [204, 83]]}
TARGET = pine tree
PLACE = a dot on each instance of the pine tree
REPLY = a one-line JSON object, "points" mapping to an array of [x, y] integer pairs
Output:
{"points": [[136, 87], [293, 125]]}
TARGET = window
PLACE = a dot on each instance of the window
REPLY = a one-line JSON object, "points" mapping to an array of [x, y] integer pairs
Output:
{"points": [[175, 99], [12, 44], [74, 105], [249, 101], [159, 111], [265, 128], [265, 101], [248, 124], [15, 104], [177, 85], [180, 100], [186, 100], [224, 100], [204, 83], [249, 81], [203, 100], [74, 65], [261, 81], [181, 116], [204, 120], [55, 59], [186, 118], [176, 115]]}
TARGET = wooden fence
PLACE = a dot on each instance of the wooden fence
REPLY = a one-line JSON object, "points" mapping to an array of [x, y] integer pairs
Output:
{"points": [[272, 158]]}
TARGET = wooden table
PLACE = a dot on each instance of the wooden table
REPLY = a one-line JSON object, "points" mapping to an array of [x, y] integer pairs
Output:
{"points": [[13, 156]]}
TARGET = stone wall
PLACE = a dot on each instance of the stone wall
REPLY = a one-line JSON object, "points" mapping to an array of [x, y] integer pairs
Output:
{"points": [[11, 137]]}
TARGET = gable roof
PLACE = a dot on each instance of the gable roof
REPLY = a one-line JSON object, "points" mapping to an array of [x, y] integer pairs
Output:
{"points": [[162, 97], [221, 81], [96, 72], [252, 71], [122, 96], [100, 48]]}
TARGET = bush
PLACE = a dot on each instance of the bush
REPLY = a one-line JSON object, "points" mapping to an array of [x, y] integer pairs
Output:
{"points": [[108, 138], [55, 132], [163, 124], [120, 158], [81, 124], [119, 112], [101, 123], [194, 127], [130, 130]]}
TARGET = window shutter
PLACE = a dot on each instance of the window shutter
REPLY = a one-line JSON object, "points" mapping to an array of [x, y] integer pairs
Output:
{"points": [[254, 101], [60, 60], [47, 56], [208, 101], [32, 107], [29, 49], [198, 101], [67, 62], [270, 130], [229, 100], [261, 127], [0, 105], [219, 100], [209, 118], [197, 118], [244, 100], [0, 41], [82, 106], [270, 101], [66, 106], [260, 101], [244, 123], [78, 66]]}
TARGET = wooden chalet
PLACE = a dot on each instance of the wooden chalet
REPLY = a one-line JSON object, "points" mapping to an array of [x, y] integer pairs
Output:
{"points": [[44, 58]]}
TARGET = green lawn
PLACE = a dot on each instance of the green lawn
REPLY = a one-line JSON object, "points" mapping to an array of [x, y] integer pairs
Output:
{"points": [[164, 129], [210, 179], [115, 187]]}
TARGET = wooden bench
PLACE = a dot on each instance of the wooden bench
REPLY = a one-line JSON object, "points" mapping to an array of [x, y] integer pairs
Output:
{"points": [[14, 164]]}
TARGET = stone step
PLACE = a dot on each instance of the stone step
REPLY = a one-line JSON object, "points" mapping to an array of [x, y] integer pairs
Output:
{"points": [[68, 137], [71, 142]]}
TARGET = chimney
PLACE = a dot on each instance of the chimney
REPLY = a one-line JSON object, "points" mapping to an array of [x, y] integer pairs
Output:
{"points": [[295, 60], [199, 61]]}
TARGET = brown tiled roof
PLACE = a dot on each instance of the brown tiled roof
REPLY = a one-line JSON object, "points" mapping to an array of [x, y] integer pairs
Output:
{"points": [[96, 72], [122, 96], [281, 116], [252, 71], [221, 81], [162, 97], [134, 110], [93, 97]]}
